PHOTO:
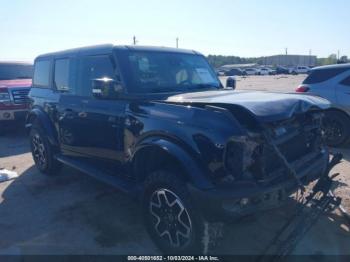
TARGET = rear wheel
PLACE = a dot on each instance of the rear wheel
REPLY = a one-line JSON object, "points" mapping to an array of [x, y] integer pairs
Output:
{"points": [[337, 128], [43, 152], [171, 219]]}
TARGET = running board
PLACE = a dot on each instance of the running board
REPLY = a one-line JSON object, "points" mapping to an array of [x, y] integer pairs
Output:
{"points": [[115, 181]]}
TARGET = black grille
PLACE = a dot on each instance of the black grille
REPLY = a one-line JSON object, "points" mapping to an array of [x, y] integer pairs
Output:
{"points": [[20, 96]]}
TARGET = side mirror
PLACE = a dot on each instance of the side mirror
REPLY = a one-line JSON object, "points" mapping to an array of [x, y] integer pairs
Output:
{"points": [[106, 88], [231, 83]]}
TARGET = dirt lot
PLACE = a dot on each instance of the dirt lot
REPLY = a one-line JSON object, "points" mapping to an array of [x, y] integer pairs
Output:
{"points": [[74, 214]]}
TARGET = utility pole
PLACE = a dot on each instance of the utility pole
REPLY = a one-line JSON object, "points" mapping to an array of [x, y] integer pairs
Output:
{"points": [[310, 52], [286, 60], [177, 42], [338, 54], [134, 40]]}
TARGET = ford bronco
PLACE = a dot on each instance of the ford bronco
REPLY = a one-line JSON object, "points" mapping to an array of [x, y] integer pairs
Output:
{"points": [[157, 123]]}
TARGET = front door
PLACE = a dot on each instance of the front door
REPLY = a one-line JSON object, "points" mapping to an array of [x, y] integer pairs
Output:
{"points": [[102, 121]]}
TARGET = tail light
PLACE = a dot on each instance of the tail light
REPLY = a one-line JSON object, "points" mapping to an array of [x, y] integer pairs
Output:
{"points": [[302, 89]]}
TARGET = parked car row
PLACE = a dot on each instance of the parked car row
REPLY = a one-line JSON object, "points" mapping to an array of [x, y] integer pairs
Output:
{"points": [[264, 71]]}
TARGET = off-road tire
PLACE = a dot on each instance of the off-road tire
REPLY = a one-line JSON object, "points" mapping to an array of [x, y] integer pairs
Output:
{"points": [[337, 128], [46, 162], [199, 239]]}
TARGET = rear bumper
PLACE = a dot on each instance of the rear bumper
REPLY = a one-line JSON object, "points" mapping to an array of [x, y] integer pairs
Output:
{"points": [[231, 201]]}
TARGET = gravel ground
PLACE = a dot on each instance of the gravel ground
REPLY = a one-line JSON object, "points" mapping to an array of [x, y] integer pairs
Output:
{"points": [[73, 214]]}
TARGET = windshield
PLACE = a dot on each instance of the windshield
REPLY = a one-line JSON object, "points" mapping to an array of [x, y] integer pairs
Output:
{"points": [[15, 71], [156, 72]]}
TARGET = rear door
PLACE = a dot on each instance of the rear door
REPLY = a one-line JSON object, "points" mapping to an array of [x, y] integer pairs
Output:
{"points": [[69, 107]]}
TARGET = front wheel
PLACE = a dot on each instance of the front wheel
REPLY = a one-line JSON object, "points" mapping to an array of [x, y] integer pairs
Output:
{"points": [[170, 217]]}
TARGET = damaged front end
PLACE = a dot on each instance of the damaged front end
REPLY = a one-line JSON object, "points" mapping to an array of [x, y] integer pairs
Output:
{"points": [[282, 157]]}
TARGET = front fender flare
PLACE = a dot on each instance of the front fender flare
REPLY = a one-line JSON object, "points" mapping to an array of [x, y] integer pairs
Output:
{"points": [[195, 174]]}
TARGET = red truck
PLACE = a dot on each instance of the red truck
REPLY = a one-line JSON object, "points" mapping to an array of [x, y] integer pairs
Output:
{"points": [[15, 83]]}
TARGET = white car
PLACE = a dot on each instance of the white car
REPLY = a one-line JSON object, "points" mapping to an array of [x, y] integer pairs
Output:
{"points": [[299, 70], [266, 71], [251, 71], [333, 83]]}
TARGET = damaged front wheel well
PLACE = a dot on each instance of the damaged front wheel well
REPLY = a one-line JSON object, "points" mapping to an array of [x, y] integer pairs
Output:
{"points": [[152, 158]]}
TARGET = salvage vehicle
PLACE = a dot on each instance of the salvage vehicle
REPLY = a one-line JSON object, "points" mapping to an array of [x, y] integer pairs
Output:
{"points": [[156, 123], [15, 82], [333, 83]]}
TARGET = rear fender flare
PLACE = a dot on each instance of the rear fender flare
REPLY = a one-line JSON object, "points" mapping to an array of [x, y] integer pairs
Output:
{"points": [[38, 117]]}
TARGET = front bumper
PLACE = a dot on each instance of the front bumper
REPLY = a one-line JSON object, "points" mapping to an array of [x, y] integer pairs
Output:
{"points": [[13, 115], [237, 199]]}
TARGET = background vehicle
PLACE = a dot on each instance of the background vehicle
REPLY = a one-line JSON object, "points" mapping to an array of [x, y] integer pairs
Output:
{"points": [[333, 83], [299, 70], [156, 123], [251, 71], [234, 72], [15, 82], [220, 72], [282, 70], [266, 71]]}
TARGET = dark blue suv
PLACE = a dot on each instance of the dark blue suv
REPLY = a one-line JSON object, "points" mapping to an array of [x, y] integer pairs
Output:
{"points": [[157, 124]]}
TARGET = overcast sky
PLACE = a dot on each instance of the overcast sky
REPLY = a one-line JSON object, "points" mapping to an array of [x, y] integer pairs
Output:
{"points": [[229, 27]]}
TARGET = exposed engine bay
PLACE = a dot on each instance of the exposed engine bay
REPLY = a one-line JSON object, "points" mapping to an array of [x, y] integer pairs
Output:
{"points": [[282, 148]]}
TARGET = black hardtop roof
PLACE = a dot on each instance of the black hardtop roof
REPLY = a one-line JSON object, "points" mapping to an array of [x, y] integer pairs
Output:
{"points": [[107, 48]]}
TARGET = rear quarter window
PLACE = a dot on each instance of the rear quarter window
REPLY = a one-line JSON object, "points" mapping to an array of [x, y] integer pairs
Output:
{"points": [[41, 74], [321, 75]]}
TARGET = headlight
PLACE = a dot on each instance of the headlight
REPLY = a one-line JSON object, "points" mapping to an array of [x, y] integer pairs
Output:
{"points": [[5, 97]]}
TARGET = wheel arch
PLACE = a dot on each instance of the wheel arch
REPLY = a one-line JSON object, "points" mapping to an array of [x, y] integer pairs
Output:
{"points": [[160, 153], [338, 110]]}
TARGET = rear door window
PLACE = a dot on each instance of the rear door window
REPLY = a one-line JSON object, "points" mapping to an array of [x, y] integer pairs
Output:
{"points": [[321, 75], [61, 76], [42, 74]]}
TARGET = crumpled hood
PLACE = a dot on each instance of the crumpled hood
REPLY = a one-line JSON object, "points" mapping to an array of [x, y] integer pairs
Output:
{"points": [[15, 83], [266, 106]]}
